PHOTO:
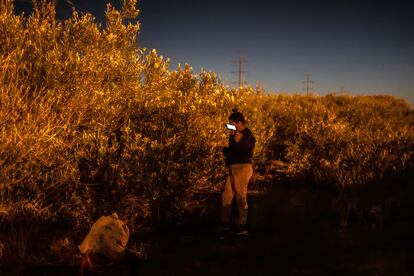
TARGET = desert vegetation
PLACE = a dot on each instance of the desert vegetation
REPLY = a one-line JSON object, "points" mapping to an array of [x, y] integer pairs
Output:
{"points": [[93, 123]]}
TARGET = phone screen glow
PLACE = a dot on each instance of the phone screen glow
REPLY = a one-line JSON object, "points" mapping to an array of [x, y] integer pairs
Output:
{"points": [[230, 126]]}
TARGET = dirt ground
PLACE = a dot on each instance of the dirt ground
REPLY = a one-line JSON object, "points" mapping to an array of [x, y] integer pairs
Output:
{"points": [[290, 234], [317, 250]]}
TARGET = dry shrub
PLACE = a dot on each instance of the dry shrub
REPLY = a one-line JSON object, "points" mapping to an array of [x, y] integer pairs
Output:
{"points": [[90, 123]]}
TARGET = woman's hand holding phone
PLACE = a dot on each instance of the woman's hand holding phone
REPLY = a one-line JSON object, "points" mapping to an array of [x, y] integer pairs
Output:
{"points": [[238, 136]]}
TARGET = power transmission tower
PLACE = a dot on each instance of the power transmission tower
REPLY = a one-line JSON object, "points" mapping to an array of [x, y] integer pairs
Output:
{"points": [[240, 72], [308, 83]]}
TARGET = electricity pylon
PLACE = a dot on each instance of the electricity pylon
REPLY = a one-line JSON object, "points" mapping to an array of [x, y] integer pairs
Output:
{"points": [[240, 71]]}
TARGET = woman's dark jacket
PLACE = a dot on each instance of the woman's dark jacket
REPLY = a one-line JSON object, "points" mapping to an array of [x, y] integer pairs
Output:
{"points": [[241, 152]]}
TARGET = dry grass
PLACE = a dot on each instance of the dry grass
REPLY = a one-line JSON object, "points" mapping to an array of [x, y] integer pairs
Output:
{"points": [[90, 124]]}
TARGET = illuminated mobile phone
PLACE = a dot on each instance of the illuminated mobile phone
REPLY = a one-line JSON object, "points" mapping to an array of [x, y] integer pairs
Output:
{"points": [[230, 126]]}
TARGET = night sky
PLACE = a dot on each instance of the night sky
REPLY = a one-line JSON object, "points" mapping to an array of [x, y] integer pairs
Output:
{"points": [[362, 47]]}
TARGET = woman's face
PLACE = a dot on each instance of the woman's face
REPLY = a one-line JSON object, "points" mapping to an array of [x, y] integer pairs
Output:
{"points": [[239, 125]]}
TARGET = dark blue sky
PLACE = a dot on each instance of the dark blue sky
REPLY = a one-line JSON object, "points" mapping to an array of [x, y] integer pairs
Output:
{"points": [[365, 46]]}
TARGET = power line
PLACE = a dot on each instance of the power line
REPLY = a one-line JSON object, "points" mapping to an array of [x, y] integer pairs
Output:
{"points": [[308, 83], [240, 70]]}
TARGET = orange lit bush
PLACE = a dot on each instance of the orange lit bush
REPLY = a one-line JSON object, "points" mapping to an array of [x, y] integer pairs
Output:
{"points": [[91, 123]]}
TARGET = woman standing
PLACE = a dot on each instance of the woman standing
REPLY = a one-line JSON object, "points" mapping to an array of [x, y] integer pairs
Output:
{"points": [[239, 155]]}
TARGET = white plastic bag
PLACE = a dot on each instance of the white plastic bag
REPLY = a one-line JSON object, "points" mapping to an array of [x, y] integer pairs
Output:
{"points": [[108, 236]]}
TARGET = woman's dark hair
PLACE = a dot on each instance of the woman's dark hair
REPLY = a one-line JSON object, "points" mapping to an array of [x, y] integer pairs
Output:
{"points": [[236, 116]]}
